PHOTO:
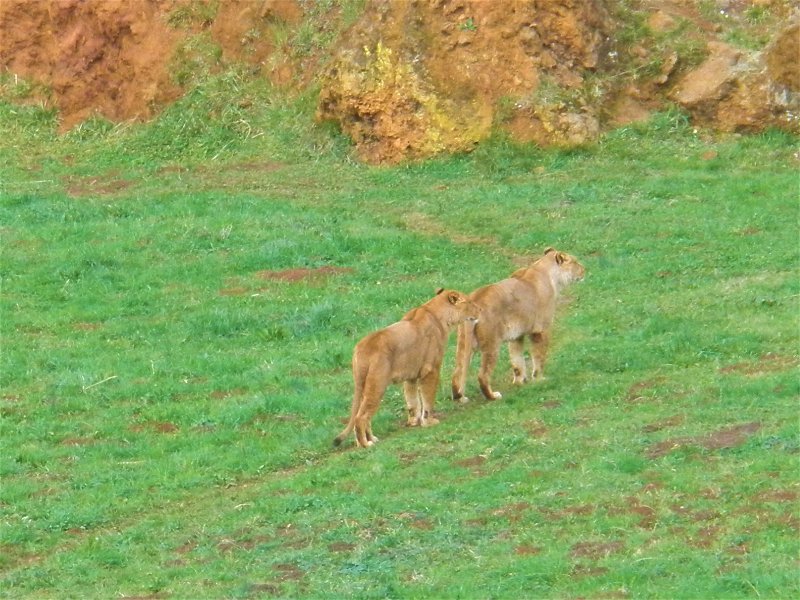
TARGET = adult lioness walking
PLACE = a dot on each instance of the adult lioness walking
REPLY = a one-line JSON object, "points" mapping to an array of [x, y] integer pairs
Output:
{"points": [[522, 305], [410, 351]]}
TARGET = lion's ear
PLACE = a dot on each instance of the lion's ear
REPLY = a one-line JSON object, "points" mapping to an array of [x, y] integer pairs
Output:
{"points": [[454, 297], [548, 250], [439, 291], [560, 258]]}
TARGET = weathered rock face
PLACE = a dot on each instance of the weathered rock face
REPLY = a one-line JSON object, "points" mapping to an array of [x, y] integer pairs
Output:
{"points": [[420, 77], [734, 91], [106, 57], [113, 57]]}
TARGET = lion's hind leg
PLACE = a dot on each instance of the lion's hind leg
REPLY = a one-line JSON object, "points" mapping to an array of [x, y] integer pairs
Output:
{"points": [[488, 362], [540, 342], [515, 352], [465, 346], [427, 387], [374, 387], [411, 392]]}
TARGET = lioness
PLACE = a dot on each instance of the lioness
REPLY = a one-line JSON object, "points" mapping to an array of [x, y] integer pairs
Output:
{"points": [[410, 351], [524, 304]]}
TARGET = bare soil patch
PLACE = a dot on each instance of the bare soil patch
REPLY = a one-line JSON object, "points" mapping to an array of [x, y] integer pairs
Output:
{"points": [[468, 463], [632, 506], [222, 394], [341, 547], [535, 428], [581, 571], [636, 393], [513, 512], [730, 437], [527, 550], [596, 550], [104, 185], [672, 421], [580, 510], [302, 274], [767, 363], [155, 427], [83, 326], [779, 496], [289, 572]]}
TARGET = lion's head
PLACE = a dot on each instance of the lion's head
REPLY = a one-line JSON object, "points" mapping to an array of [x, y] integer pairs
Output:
{"points": [[568, 267]]}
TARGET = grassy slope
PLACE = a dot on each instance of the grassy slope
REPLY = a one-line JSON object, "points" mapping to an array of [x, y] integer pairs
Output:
{"points": [[168, 404]]}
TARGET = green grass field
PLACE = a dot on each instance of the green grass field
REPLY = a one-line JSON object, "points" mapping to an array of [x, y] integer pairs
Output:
{"points": [[179, 305]]}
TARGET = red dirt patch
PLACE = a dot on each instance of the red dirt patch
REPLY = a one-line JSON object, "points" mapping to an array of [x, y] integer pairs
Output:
{"points": [[154, 426], [587, 571], [301, 274], [580, 510], [527, 550], [341, 547], [513, 512], [596, 550], [415, 521], [730, 437], [233, 291], [288, 572], [635, 392], [768, 363], [408, 458], [86, 326], [536, 428], [777, 496], [266, 588], [634, 507], [105, 185], [468, 463], [705, 537], [186, 548], [672, 421], [750, 231]]}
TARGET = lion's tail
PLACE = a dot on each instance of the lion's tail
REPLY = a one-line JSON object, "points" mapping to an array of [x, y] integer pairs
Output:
{"points": [[358, 392], [464, 347]]}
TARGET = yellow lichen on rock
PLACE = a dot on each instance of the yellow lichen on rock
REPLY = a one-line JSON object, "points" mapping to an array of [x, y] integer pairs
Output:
{"points": [[391, 111]]}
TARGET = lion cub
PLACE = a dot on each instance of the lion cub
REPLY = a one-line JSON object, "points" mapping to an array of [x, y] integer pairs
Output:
{"points": [[522, 305], [410, 351]]}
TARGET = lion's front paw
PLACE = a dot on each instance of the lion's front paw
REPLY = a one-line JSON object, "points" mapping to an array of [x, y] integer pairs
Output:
{"points": [[430, 421], [497, 395]]}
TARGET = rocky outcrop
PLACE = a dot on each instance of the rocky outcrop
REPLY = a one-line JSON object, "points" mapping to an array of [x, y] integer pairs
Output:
{"points": [[420, 77], [746, 92]]}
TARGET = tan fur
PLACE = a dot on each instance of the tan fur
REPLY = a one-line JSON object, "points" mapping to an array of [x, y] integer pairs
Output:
{"points": [[410, 351], [522, 305]]}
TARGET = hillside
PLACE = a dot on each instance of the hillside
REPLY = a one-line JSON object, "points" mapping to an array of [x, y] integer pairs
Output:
{"points": [[407, 80]]}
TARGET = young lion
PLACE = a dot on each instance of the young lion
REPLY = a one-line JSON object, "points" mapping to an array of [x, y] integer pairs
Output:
{"points": [[524, 304], [410, 351]]}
